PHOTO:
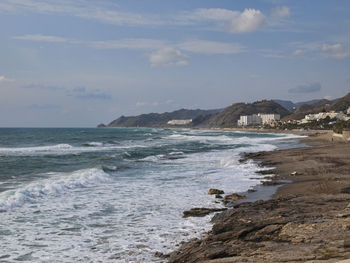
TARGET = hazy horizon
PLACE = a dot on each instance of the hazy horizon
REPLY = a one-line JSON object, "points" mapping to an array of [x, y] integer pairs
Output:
{"points": [[80, 63]]}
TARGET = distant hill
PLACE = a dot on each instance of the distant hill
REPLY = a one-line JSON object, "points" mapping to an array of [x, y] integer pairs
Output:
{"points": [[289, 105], [159, 119], [340, 104], [229, 116]]}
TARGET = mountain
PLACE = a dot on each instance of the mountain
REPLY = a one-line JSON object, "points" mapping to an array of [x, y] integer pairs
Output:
{"points": [[159, 119], [287, 104], [229, 116], [340, 104], [319, 102]]}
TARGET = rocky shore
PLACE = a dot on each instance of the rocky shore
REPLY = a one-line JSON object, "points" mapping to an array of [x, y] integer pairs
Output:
{"points": [[307, 220]]}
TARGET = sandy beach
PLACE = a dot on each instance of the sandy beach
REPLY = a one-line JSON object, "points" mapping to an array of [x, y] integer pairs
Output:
{"points": [[306, 220]]}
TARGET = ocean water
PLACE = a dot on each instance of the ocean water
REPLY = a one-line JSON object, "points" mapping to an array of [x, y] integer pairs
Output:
{"points": [[114, 195]]}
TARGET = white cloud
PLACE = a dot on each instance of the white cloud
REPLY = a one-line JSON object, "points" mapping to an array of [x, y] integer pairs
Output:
{"points": [[273, 53], [137, 43], [168, 56], [195, 46], [210, 47], [204, 14], [281, 12], [248, 21], [154, 104], [4, 79], [43, 38], [234, 21], [83, 9], [336, 51], [298, 53]]}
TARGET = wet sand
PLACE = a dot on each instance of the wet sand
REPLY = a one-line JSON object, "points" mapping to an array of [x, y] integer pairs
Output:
{"points": [[306, 220]]}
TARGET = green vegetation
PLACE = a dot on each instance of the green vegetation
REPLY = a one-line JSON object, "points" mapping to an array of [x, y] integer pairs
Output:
{"points": [[340, 126]]}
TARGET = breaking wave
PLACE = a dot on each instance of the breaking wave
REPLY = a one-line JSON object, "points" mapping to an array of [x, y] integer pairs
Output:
{"points": [[56, 184]]}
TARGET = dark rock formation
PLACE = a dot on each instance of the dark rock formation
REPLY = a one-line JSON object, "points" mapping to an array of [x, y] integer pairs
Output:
{"points": [[234, 197], [213, 191], [199, 212]]}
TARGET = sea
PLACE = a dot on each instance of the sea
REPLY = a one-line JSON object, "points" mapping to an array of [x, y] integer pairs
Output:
{"points": [[118, 194]]}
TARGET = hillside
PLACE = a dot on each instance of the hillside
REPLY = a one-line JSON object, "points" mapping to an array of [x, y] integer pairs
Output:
{"points": [[229, 116], [340, 104], [289, 105], [159, 119]]}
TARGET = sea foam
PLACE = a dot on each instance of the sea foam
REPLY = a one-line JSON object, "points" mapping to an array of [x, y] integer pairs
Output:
{"points": [[56, 184]]}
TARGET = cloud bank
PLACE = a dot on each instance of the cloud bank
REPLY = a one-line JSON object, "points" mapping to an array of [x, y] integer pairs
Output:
{"points": [[167, 57], [307, 88], [249, 20]]}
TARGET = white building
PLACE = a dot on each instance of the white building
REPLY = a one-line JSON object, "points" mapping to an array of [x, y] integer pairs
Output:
{"points": [[267, 118], [179, 122], [323, 115], [257, 119]]}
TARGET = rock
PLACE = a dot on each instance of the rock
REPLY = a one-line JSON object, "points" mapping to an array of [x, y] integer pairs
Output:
{"points": [[101, 126], [234, 197], [346, 225], [345, 190], [263, 172], [295, 173], [251, 190], [347, 243], [218, 196], [199, 212], [161, 255], [270, 183], [213, 191]]}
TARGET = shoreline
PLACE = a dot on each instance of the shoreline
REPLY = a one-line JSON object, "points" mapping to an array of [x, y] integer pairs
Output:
{"points": [[306, 220]]}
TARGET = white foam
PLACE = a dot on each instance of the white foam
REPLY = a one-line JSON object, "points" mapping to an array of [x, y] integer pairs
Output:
{"points": [[57, 184], [37, 149], [136, 215], [94, 144], [63, 149]]}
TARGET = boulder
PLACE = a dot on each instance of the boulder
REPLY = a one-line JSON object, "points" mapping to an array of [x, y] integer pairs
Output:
{"points": [[213, 191], [199, 212], [234, 197]]}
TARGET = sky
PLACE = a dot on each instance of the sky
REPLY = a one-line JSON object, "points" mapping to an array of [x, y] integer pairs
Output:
{"points": [[77, 63]]}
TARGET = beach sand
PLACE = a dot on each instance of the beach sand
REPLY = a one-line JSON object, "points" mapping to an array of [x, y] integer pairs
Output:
{"points": [[306, 220]]}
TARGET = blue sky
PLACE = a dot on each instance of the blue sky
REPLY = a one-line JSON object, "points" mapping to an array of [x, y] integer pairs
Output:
{"points": [[76, 63]]}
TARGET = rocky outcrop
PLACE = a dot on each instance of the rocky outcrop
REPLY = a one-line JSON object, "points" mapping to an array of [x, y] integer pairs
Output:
{"points": [[306, 221], [213, 191], [234, 197], [199, 212], [269, 231]]}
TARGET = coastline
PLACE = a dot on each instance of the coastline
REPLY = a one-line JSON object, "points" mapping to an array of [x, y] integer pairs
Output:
{"points": [[306, 220]]}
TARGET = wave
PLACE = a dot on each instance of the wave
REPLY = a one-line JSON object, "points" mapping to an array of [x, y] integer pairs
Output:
{"points": [[37, 149], [93, 144], [56, 184], [63, 149], [227, 140], [220, 139]]}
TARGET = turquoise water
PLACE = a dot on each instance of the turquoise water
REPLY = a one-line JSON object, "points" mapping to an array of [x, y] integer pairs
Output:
{"points": [[113, 195]]}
